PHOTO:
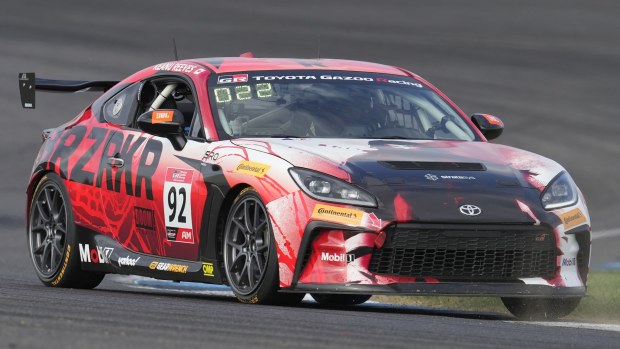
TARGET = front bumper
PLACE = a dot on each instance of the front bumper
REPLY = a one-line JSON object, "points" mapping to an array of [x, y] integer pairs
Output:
{"points": [[334, 258]]}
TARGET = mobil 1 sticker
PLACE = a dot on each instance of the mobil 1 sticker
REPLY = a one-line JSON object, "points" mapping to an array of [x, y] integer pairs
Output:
{"points": [[177, 205]]}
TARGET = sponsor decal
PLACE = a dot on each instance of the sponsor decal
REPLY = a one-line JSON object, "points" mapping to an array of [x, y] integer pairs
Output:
{"points": [[400, 82], [177, 205], [569, 262], [466, 178], [96, 255], [179, 175], [128, 261], [210, 155], [170, 267], [431, 177], [337, 214], [227, 79], [470, 210], [179, 67], [493, 120], [572, 218], [65, 262], [180, 235], [231, 79], [144, 218], [207, 269], [159, 116], [252, 168], [118, 105], [337, 257]]}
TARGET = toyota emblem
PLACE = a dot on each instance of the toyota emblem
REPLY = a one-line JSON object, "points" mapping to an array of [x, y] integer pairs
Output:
{"points": [[470, 210]]}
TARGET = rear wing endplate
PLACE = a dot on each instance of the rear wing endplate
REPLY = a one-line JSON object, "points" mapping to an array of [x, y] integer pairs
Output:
{"points": [[28, 84]]}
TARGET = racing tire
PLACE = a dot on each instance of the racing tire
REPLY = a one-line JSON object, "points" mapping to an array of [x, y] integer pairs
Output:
{"points": [[250, 260], [335, 300], [52, 238], [540, 308]]}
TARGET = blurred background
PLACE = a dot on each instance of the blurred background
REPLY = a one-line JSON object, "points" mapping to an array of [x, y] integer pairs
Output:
{"points": [[549, 69]]}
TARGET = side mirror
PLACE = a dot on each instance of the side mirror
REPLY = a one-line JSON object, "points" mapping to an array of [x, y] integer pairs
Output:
{"points": [[490, 126], [166, 123]]}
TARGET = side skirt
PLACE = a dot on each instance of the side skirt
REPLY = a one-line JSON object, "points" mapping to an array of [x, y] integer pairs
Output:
{"points": [[99, 252]]}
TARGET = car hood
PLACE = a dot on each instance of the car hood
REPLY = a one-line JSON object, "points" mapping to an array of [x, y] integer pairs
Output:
{"points": [[407, 162], [441, 174]]}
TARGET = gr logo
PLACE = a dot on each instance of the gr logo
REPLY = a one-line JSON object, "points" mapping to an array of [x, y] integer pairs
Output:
{"points": [[228, 79]]}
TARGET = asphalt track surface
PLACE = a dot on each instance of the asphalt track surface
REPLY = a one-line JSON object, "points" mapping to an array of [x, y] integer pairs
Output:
{"points": [[549, 68]]}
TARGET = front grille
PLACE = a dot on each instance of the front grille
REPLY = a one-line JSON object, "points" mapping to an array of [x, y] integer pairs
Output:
{"points": [[458, 252]]}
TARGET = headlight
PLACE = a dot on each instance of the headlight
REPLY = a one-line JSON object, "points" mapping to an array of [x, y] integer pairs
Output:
{"points": [[327, 188], [561, 192]]}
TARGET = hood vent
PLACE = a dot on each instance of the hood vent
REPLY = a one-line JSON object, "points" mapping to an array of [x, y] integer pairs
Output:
{"points": [[430, 165]]}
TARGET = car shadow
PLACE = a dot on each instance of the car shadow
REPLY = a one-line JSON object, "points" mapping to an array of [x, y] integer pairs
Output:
{"points": [[221, 293]]}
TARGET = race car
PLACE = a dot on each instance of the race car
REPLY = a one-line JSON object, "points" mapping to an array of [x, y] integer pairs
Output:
{"points": [[282, 177]]}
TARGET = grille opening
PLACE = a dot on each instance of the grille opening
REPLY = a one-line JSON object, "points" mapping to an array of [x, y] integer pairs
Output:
{"points": [[432, 165], [451, 253]]}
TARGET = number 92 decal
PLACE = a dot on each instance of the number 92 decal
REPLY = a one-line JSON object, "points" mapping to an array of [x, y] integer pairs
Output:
{"points": [[177, 205]]}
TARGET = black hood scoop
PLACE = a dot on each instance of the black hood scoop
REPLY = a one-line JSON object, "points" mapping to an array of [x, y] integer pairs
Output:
{"points": [[433, 166]]}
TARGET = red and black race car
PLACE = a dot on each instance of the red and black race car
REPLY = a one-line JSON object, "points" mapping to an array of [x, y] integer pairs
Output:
{"points": [[281, 177]]}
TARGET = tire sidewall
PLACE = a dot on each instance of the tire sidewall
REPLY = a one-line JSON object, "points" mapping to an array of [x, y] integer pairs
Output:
{"points": [[269, 282], [70, 258]]}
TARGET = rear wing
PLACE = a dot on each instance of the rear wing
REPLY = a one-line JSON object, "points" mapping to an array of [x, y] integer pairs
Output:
{"points": [[28, 84]]}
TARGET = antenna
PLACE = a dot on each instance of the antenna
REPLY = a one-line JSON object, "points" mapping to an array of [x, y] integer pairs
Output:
{"points": [[319, 48], [174, 45]]}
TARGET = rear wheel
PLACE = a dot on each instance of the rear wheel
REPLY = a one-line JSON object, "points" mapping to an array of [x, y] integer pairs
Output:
{"points": [[52, 240], [540, 308], [340, 299], [250, 260]]}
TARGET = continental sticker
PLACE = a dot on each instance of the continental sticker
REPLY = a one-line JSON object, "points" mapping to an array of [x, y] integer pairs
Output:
{"points": [[572, 218], [338, 214], [252, 168]]}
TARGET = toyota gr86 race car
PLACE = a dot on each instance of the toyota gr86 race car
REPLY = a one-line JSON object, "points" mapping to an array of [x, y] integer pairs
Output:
{"points": [[281, 177]]}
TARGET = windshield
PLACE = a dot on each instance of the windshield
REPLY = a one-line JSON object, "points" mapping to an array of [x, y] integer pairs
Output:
{"points": [[325, 104]]}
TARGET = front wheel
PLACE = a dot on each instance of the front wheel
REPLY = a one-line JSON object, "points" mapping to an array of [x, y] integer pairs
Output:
{"points": [[540, 308], [52, 238], [250, 260]]}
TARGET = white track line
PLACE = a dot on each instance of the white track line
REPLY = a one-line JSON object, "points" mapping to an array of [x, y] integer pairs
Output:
{"points": [[606, 234], [580, 325]]}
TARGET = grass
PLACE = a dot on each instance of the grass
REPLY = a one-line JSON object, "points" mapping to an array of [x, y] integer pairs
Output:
{"points": [[601, 305]]}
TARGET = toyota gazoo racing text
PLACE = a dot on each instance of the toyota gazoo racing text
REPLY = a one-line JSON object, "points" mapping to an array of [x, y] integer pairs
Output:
{"points": [[281, 177]]}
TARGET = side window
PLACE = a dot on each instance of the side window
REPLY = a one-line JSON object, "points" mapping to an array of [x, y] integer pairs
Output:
{"points": [[171, 93], [121, 108]]}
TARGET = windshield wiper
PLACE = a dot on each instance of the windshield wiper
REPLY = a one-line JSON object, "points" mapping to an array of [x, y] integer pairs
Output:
{"points": [[391, 137], [283, 136], [268, 136]]}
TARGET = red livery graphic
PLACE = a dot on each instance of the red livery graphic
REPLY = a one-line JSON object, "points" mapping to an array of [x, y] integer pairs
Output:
{"points": [[281, 177]]}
